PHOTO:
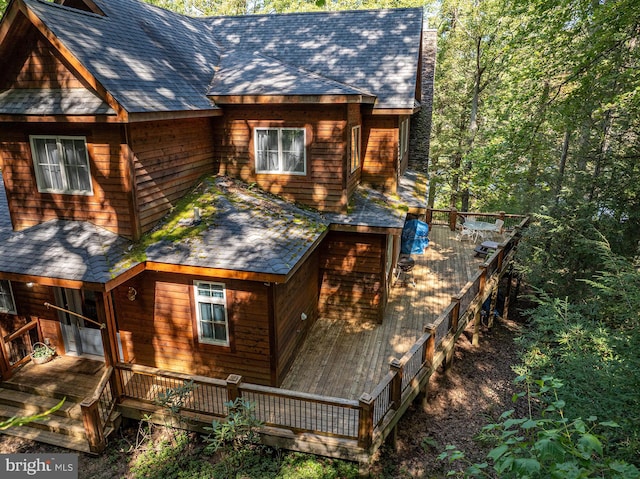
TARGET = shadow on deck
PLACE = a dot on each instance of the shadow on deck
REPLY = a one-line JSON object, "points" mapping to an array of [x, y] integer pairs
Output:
{"points": [[344, 359]]}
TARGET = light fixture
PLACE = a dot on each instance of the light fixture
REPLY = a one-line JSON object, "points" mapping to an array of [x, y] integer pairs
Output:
{"points": [[131, 293], [30, 284]]}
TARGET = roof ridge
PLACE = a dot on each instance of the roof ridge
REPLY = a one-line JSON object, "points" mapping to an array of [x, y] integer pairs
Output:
{"points": [[315, 12]]}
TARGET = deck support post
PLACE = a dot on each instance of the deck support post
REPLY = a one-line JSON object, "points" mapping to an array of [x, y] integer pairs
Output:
{"points": [[507, 293], [233, 387], [429, 352], [396, 384], [365, 426], [492, 308]]}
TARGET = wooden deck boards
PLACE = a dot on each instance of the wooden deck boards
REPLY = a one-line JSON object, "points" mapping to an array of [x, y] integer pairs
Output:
{"points": [[73, 377], [345, 359]]}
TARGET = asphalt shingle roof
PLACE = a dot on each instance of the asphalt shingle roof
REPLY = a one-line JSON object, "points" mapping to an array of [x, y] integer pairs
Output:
{"points": [[152, 60], [70, 250], [375, 51], [71, 101]]}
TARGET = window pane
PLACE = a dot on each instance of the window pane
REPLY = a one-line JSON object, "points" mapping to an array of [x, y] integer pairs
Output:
{"points": [[220, 331], [218, 313], [6, 301], [76, 168], [48, 163], [293, 150], [267, 150], [206, 330], [206, 312]]}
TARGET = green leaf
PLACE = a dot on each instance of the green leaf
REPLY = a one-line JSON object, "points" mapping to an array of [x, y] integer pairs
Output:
{"points": [[590, 444], [526, 466], [497, 452]]}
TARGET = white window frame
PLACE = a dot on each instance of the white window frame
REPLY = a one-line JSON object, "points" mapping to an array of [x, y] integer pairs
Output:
{"points": [[9, 294], [37, 162], [403, 138], [356, 147], [211, 300], [280, 170]]}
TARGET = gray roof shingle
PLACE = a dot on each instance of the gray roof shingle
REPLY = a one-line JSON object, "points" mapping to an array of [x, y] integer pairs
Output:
{"points": [[71, 101], [153, 60], [70, 250]]}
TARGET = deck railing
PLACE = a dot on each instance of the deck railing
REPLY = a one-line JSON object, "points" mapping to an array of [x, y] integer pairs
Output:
{"points": [[365, 422], [19, 344], [97, 409]]}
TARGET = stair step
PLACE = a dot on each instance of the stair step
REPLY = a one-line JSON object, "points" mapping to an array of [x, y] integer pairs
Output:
{"points": [[32, 404], [48, 437], [49, 391], [58, 424]]}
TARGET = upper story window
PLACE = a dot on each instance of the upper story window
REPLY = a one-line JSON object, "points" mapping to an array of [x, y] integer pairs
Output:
{"points": [[403, 140], [280, 150], [211, 311], [7, 304], [61, 164], [356, 141]]}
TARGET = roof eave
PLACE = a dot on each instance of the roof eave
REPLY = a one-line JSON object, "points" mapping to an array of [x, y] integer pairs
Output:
{"points": [[290, 99], [4, 118], [173, 115]]}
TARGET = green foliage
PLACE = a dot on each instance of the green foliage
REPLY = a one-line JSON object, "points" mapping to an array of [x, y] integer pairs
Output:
{"points": [[16, 421], [545, 443], [179, 459], [238, 431]]}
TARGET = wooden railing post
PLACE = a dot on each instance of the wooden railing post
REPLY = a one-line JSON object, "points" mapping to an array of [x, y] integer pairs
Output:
{"points": [[455, 314], [396, 385], [93, 426], [365, 424], [233, 387], [428, 217], [430, 347], [453, 218], [492, 308]]}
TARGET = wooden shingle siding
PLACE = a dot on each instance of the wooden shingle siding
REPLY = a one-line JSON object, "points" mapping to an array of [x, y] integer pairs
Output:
{"points": [[108, 207], [298, 295], [169, 158], [35, 65], [352, 276], [323, 187], [159, 328], [380, 150]]}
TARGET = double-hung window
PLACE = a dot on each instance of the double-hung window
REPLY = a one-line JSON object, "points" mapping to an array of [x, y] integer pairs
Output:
{"points": [[7, 304], [211, 311], [356, 138], [61, 164], [280, 150]]}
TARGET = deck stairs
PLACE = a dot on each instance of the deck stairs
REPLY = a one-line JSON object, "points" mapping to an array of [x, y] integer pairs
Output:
{"points": [[63, 428]]}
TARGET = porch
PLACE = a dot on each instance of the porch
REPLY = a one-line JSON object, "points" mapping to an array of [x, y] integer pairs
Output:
{"points": [[345, 358]]}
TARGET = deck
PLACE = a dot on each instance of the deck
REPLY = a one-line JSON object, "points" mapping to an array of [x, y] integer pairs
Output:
{"points": [[344, 359], [63, 376]]}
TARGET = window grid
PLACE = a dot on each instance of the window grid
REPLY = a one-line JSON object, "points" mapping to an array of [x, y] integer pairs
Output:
{"points": [[61, 164], [280, 150], [7, 303], [211, 312]]}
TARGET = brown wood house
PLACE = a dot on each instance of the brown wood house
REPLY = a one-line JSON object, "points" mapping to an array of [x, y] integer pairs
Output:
{"points": [[192, 193]]}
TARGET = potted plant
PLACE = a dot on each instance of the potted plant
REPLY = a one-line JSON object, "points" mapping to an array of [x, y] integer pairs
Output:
{"points": [[42, 353]]}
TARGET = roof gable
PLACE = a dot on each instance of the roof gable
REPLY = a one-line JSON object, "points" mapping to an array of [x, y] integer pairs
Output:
{"points": [[151, 60], [375, 51]]}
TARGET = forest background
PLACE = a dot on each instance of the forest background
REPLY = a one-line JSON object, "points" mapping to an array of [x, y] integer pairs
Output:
{"points": [[537, 111]]}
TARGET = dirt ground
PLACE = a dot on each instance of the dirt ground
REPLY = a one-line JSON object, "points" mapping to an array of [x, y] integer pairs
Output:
{"points": [[474, 392]]}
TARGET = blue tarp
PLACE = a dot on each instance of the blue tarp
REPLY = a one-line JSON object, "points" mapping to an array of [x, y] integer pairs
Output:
{"points": [[414, 237]]}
